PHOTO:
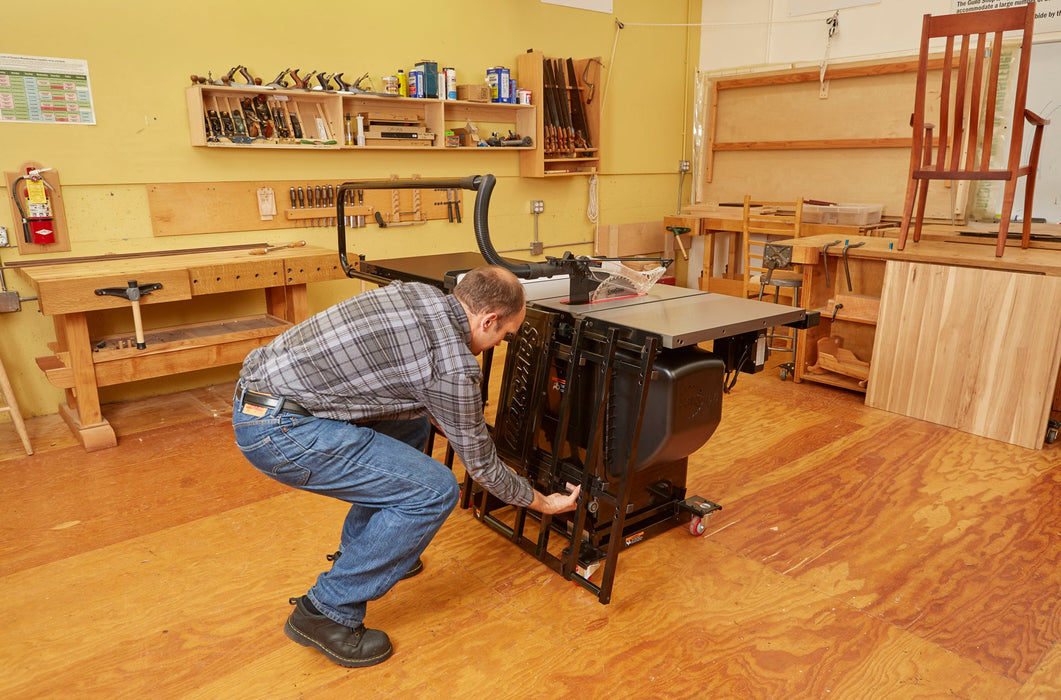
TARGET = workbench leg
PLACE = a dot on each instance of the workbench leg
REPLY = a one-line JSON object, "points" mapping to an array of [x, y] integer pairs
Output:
{"points": [[804, 336], [82, 410], [290, 303]]}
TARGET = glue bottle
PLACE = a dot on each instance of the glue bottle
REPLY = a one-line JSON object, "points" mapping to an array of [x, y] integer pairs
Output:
{"points": [[403, 83]]}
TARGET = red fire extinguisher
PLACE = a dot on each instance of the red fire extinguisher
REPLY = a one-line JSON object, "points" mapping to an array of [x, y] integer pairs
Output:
{"points": [[35, 207]]}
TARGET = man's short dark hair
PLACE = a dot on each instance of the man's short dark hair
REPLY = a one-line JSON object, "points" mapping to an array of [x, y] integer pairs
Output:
{"points": [[490, 289]]}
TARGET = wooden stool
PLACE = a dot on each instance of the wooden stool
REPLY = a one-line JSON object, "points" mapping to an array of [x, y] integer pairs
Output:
{"points": [[7, 395]]}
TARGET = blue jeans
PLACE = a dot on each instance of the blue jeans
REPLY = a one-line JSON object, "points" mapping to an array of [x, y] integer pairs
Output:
{"points": [[399, 497]]}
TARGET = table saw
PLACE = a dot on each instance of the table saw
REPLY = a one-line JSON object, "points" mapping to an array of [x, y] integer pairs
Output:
{"points": [[610, 393]]}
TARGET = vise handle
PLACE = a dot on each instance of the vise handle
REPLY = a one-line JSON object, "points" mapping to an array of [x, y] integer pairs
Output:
{"points": [[133, 292], [678, 231]]}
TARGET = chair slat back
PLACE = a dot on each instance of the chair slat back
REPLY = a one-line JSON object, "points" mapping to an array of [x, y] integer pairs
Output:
{"points": [[969, 86], [766, 221]]}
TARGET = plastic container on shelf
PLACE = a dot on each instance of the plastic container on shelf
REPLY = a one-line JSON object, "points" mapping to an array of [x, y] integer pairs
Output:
{"points": [[845, 214]]}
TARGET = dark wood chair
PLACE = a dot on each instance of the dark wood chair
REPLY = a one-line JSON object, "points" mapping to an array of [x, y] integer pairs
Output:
{"points": [[968, 95]]}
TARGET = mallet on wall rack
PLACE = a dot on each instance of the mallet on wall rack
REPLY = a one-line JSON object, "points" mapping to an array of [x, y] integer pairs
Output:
{"points": [[133, 293]]}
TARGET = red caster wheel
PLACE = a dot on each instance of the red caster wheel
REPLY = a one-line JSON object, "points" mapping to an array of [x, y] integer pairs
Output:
{"points": [[696, 526]]}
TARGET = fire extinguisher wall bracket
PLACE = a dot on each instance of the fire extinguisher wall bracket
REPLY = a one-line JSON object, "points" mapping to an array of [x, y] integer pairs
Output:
{"points": [[20, 212]]}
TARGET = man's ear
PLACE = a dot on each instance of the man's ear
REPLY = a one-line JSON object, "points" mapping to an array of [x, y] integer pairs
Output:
{"points": [[487, 320]]}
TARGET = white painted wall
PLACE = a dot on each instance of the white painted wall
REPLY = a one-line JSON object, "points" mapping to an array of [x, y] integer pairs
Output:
{"points": [[757, 33]]}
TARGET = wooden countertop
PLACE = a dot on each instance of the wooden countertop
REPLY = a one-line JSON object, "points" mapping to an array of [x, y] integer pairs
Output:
{"points": [[70, 287], [945, 251]]}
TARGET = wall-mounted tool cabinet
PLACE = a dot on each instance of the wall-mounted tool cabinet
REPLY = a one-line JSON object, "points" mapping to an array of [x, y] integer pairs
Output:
{"points": [[564, 91], [225, 117]]}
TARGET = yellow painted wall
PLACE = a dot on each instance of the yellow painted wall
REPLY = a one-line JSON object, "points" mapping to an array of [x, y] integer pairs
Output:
{"points": [[140, 55]]}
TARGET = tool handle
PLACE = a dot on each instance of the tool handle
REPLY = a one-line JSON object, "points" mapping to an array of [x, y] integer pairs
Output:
{"points": [[685, 256], [138, 326]]}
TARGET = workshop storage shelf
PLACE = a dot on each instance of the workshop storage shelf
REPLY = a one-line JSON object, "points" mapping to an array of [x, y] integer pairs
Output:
{"points": [[255, 118], [222, 117], [564, 91]]}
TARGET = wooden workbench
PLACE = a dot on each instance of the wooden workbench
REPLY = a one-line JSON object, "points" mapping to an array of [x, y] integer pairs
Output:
{"points": [[723, 228], [81, 363], [952, 334]]}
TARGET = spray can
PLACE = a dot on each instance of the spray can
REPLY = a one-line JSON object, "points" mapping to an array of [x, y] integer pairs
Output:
{"points": [[451, 83]]}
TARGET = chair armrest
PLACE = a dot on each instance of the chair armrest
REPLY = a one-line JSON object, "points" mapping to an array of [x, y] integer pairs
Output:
{"points": [[1034, 118]]}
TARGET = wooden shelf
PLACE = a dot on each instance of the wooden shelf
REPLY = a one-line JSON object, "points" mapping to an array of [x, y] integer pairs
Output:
{"points": [[318, 114], [855, 308], [322, 116], [837, 380]]}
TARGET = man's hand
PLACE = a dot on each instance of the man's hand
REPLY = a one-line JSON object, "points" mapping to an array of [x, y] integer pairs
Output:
{"points": [[556, 502]]}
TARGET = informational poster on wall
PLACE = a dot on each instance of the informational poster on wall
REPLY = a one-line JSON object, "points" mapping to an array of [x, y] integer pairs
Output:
{"points": [[595, 5], [1047, 12], [42, 90]]}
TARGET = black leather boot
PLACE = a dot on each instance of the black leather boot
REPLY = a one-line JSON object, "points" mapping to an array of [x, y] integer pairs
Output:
{"points": [[347, 646]]}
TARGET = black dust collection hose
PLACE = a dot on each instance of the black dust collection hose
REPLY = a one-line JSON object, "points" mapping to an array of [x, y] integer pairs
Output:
{"points": [[482, 185]]}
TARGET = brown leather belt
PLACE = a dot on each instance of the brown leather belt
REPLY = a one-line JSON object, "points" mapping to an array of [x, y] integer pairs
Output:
{"points": [[268, 401]]}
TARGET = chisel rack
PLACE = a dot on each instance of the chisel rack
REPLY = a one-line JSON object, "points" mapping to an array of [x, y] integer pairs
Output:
{"points": [[565, 92], [184, 208]]}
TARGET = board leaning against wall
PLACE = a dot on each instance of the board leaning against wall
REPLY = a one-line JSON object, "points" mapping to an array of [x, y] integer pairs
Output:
{"points": [[787, 134]]}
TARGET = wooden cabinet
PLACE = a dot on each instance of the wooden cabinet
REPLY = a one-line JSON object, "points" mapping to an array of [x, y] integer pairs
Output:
{"points": [[847, 294], [321, 116], [552, 161]]}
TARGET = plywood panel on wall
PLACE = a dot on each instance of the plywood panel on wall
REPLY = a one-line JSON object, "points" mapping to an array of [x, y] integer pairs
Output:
{"points": [[781, 135], [968, 348]]}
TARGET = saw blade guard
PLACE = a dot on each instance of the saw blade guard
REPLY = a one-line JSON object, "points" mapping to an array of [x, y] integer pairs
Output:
{"points": [[616, 279]]}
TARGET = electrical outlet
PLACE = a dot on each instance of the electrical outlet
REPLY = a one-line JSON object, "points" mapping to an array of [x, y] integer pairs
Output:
{"points": [[537, 248], [537, 206], [3, 236], [683, 166]]}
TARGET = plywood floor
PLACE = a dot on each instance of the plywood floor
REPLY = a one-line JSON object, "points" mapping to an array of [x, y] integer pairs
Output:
{"points": [[859, 555]]}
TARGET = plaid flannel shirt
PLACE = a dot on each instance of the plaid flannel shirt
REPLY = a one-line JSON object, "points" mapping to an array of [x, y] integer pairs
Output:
{"points": [[396, 352]]}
